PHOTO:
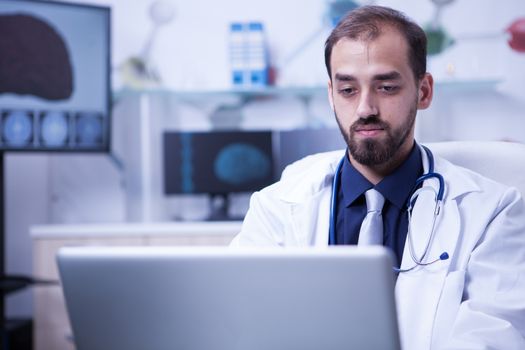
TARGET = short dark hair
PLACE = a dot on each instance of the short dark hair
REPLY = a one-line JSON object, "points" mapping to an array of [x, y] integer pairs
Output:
{"points": [[366, 22]]}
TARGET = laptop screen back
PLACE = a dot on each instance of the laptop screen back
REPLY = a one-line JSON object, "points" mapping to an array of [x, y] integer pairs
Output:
{"points": [[225, 298]]}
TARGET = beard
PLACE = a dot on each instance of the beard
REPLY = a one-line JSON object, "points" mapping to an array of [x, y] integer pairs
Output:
{"points": [[370, 151]]}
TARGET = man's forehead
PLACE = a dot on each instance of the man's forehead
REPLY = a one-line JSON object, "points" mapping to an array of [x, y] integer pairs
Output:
{"points": [[389, 49], [388, 36]]}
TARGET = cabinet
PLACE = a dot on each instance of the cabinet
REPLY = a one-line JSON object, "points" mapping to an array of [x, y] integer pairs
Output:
{"points": [[51, 326]]}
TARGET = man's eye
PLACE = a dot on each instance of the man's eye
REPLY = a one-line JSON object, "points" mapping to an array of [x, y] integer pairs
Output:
{"points": [[388, 88], [347, 91]]}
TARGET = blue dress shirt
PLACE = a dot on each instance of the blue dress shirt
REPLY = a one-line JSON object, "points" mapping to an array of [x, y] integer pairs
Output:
{"points": [[396, 188]]}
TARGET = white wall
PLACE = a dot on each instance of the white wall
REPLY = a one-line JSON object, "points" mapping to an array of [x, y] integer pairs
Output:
{"points": [[191, 53]]}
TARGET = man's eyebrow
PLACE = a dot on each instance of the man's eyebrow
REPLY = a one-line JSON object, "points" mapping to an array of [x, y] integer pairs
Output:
{"points": [[344, 77], [388, 76], [394, 75]]}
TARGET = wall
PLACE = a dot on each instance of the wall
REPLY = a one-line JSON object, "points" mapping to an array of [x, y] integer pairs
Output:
{"points": [[191, 53]]}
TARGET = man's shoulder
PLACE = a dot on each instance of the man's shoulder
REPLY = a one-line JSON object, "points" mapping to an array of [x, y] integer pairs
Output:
{"points": [[307, 176], [310, 163]]}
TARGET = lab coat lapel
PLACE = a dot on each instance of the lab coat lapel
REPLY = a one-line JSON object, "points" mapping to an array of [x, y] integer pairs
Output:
{"points": [[310, 205], [446, 231], [426, 282], [447, 226], [310, 220]]}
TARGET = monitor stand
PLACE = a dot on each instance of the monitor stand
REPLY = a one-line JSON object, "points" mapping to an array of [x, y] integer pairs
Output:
{"points": [[219, 208]]}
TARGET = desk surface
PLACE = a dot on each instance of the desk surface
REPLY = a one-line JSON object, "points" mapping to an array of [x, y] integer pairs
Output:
{"points": [[135, 229]]}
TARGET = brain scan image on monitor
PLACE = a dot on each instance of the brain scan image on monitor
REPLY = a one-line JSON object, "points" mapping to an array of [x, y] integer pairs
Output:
{"points": [[217, 162], [55, 63], [241, 163], [54, 129], [17, 128], [89, 129], [40, 63]]}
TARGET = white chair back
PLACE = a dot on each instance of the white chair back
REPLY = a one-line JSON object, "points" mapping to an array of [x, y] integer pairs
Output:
{"points": [[498, 160]]}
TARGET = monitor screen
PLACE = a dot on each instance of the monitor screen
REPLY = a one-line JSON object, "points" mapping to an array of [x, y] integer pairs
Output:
{"points": [[299, 143], [217, 162], [54, 76]]}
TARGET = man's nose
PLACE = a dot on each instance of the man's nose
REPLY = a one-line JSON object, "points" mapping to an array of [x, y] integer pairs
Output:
{"points": [[367, 106]]}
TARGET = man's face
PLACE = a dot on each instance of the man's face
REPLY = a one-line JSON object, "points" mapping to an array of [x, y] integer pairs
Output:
{"points": [[375, 97]]}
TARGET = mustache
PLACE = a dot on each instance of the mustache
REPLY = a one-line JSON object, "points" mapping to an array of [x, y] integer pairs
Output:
{"points": [[372, 120]]}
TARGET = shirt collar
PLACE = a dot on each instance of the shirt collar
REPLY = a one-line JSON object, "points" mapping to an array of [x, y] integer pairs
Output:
{"points": [[395, 187]]}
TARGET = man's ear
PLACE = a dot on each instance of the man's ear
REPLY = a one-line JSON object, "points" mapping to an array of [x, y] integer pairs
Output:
{"points": [[330, 94], [425, 91]]}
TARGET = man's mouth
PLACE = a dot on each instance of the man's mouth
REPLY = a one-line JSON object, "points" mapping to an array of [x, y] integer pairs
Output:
{"points": [[369, 130]]}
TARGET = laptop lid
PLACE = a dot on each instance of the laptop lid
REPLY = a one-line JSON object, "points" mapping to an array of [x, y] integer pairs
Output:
{"points": [[226, 298]]}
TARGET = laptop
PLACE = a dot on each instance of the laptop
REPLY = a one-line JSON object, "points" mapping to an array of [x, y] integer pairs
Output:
{"points": [[221, 298]]}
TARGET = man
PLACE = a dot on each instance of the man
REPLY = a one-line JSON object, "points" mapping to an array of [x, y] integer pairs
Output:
{"points": [[475, 299]]}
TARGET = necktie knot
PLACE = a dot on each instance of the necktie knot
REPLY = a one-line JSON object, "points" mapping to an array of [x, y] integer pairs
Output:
{"points": [[374, 200]]}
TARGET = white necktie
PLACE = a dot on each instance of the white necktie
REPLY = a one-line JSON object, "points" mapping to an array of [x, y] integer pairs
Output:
{"points": [[372, 227]]}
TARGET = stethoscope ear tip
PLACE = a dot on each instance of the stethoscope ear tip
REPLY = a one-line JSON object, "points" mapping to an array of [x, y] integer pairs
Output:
{"points": [[443, 256]]}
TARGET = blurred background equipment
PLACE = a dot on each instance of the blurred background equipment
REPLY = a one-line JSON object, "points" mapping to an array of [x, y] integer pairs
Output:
{"points": [[139, 71], [517, 35], [298, 143], [335, 10], [437, 36], [55, 92], [439, 39], [55, 84], [217, 163], [249, 55]]}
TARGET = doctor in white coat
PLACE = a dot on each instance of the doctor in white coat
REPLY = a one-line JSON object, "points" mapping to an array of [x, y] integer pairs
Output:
{"points": [[475, 299]]}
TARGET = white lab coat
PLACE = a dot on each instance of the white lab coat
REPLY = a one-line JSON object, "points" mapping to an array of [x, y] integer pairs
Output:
{"points": [[473, 300]]}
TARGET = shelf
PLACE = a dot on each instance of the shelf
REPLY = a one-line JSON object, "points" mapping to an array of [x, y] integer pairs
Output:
{"points": [[245, 94], [300, 92], [467, 85]]}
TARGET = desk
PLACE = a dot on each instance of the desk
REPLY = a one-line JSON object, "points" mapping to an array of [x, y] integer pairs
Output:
{"points": [[51, 325]]}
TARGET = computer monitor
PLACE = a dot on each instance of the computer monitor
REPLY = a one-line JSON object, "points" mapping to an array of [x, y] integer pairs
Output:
{"points": [[54, 76], [217, 162], [299, 143]]}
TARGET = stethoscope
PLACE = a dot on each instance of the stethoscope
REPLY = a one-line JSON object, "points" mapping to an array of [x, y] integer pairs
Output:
{"points": [[438, 199]]}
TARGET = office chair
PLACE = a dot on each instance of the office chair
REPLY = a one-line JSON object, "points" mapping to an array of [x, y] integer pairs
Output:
{"points": [[497, 160]]}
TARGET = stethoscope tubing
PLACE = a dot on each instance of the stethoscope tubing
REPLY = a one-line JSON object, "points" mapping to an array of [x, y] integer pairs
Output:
{"points": [[419, 261]]}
